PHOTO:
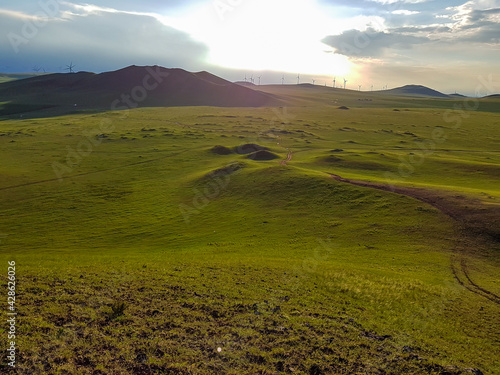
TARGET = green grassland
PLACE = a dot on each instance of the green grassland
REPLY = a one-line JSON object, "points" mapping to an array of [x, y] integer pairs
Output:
{"points": [[141, 249], [6, 77]]}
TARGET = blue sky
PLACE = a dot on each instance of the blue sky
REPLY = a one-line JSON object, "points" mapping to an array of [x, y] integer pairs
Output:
{"points": [[449, 45]]}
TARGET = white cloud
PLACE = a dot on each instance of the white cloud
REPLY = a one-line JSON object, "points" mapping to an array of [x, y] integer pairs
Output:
{"points": [[372, 43], [384, 2], [17, 15], [405, 12], [97, 40]]}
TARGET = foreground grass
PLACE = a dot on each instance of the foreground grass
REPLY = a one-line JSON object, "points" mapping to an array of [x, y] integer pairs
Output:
{"points": [[280, 269], [266, 317]]}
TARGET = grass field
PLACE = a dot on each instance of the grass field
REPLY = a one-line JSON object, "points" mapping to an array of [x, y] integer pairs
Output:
{"points": [[142, 248], [6, 77]]}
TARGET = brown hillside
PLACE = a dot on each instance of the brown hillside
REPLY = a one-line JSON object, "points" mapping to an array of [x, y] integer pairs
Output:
{"points": [[174, 87]]}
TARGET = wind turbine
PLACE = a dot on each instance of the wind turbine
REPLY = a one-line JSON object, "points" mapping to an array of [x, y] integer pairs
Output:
{"points": [[345, 81], [334, 80], [259, 77], [359, 87], [251, 78], [283, 80], [298, 79], [70, 67], [372, 87], [314, 81], [245, 77], [36, 69]]}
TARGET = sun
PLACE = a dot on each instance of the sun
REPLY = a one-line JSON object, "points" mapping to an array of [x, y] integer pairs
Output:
{"points": [[279, 35]]}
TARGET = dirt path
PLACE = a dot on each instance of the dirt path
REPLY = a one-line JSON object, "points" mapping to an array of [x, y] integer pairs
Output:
{"points": [[461, 274], [288, 158], [289, 155], [474, 219]]}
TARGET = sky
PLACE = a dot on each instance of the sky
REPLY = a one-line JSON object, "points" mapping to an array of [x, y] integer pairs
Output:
{"points": [[449, 45]]}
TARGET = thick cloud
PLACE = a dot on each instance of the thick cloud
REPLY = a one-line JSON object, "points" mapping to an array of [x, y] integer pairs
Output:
{"points": [[420, 29], [477, 26], [385, 3], [151, 6], [95, 41], [370, 43], [482, 15], [470, 23]]}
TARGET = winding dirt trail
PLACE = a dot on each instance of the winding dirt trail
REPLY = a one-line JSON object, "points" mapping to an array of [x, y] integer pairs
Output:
{"points": [[459, 210], [289, 155], [288, 158], [474, 220]]}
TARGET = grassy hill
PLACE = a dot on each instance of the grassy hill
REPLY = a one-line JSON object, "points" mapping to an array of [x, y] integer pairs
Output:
{"points": [[415, 90], [7, 77], [131, 87], [155, 241]]}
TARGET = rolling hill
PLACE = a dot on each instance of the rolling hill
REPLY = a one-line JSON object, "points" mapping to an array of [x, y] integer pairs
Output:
{"points": [[215, 240], [131, 87], [6, 77], [415, 90]]}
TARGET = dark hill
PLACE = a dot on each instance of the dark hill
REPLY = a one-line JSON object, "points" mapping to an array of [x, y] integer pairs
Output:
{"points": [[415, 90], [134, 86], [247, 84], [41, 84]]}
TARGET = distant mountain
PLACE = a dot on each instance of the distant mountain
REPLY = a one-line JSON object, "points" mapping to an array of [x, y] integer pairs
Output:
{"points": [[457, 95], [494, 96], [415, 90], [134, 86]]}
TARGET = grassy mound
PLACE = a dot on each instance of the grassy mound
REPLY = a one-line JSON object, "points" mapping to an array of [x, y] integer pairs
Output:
{"points": [[249, 148], [331, 159], [262, 155], [227, 170], [221, 150]]}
